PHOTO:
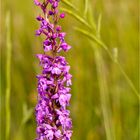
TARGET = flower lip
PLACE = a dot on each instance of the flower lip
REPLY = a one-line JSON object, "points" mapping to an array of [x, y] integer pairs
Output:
{"points": [[65, 46]]}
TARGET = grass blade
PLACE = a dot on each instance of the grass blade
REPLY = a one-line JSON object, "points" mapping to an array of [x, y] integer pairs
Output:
{"points": [[103, 87], [130, 83], [77, 17], [69, 4], [90, 16], [8, 77], [99, 26], [104, 97], [85, 8]]}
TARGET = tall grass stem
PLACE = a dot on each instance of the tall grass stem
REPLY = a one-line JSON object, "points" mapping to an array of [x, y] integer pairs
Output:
{"points": [[85, 8], [104, 94], [8, 75], [103, 86]]}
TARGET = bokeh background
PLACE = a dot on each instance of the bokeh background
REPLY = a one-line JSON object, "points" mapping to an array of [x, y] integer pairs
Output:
{"points": [[92, 108]]}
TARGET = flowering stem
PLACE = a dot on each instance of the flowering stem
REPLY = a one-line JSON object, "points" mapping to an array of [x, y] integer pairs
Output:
{"points": [[52, 116]]}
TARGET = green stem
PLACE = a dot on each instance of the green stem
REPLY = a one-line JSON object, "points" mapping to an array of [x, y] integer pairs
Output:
{"points": [[128, 80], [116, 104], [104, 94], [103, 87], [8, 77], [85, 8]]}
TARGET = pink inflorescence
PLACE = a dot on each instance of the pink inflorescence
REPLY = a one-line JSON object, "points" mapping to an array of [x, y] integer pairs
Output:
{"points": [[52, 116]]}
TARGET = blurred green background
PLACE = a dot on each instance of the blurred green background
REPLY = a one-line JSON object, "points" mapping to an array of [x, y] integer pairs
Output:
{"points": [[103, 105]]}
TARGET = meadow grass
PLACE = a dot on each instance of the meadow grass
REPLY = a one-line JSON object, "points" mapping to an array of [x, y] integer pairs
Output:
{"points": [[104, 65]]}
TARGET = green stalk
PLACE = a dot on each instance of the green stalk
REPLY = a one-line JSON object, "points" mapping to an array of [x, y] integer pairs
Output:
{"points": [[104, 94], [103, 86], [8, 77], [85, 8], [116, 104]]}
